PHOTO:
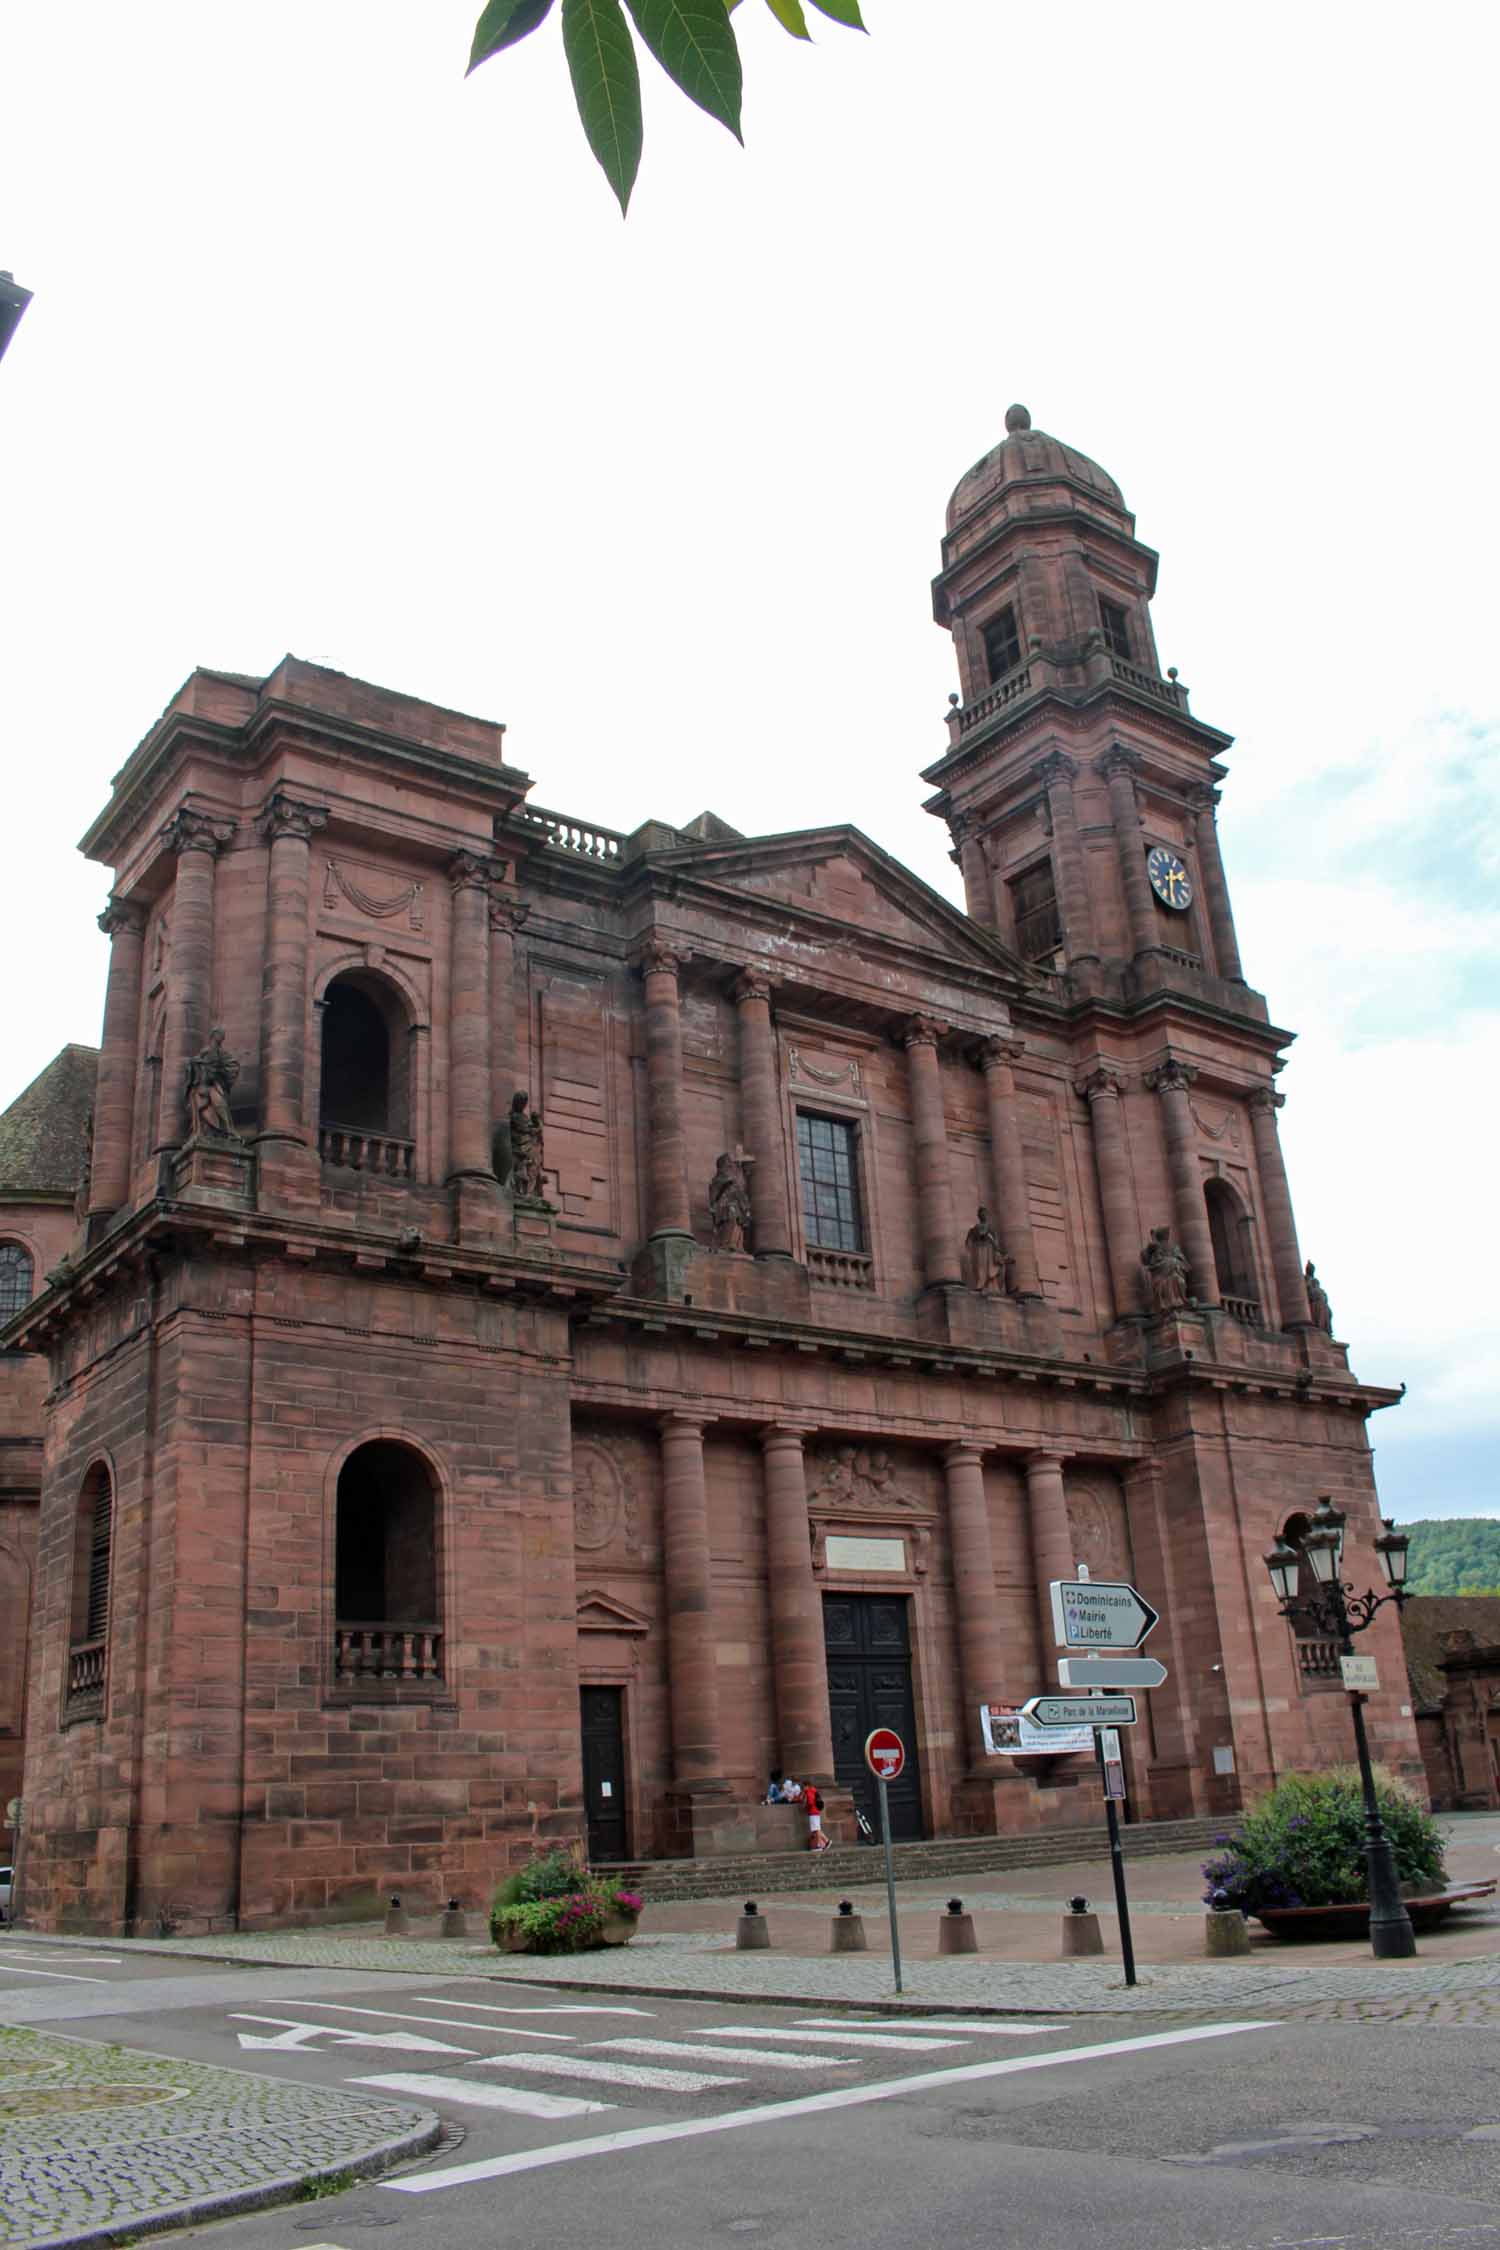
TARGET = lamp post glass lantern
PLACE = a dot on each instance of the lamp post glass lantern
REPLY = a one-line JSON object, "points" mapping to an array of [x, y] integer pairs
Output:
{"points": [[1335, 1608]]}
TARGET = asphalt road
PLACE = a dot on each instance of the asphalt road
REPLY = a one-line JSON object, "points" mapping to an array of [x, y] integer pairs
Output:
{"points": [[582, 2120]]}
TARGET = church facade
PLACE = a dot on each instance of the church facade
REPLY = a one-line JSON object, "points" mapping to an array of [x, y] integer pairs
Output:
{"points": [[562, 1323]]}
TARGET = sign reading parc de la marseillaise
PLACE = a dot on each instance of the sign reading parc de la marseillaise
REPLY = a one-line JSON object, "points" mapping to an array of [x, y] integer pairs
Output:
{"points": [[1099, 1613], [1081, 1710]]}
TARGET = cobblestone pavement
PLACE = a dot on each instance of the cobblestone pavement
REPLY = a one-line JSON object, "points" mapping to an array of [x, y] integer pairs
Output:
{"points": [[101, 2140]]}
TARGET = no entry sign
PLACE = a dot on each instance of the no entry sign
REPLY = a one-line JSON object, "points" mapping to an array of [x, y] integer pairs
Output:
{"points": [[885, 1754]]}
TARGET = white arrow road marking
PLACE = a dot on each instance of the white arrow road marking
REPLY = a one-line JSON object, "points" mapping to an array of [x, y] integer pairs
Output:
{"points": [[515, 2098], [492, 2008], [805, 2105], [838, 2038], [297, 2035], [770, 2058], [396, 2015], [971, 2027], [617, 2074]]}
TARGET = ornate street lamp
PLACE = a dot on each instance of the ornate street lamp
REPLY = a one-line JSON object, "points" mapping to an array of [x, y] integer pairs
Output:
{"points": [[1335, 1608]]}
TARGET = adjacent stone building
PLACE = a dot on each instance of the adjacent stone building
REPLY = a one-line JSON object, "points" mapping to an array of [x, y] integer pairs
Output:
{"points": [[565, 1322], [1452, 1646]]}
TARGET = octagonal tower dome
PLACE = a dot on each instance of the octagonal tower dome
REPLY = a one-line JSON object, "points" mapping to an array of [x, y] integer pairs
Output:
{"points": [[1030, 458]]}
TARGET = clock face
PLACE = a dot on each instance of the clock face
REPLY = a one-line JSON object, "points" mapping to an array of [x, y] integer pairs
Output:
{"points": [[1169, 878]]}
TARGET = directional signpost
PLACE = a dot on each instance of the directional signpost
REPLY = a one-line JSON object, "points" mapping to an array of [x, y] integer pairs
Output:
{"points": [[1080, 1710], [885, 1755], [1094, 1613]]}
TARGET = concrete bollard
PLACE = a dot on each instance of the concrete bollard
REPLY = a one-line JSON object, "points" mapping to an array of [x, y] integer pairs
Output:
{"points": [[1226, 1933], [752, 1932], [1080, 1931], [455, 1921], [956, 1930], [847, 1929], [396, 1921]]}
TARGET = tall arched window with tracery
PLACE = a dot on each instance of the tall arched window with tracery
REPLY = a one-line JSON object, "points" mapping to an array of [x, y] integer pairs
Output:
{"points": [[17, 1279]]}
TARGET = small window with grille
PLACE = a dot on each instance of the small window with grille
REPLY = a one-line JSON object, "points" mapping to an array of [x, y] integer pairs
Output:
{"points": [[1002, 644], [1116, 628], [1033, 898], [828, 1166]]}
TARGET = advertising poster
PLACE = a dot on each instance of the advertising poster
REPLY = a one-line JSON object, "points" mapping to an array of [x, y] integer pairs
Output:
{"points": [[1008, 1735]]}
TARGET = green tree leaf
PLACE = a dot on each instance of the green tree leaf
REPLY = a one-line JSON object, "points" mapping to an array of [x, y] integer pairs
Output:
{"points": [[788, 14], [842, 11], [694, 42], [502, 24], [607, 87]]}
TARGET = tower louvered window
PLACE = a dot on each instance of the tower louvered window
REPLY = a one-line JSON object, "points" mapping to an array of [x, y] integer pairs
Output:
{"points": [[96, 1613], [1002, 644], [1034, 904]]}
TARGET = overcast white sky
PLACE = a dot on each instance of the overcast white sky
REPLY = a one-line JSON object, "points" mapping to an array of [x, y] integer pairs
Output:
{"points": [[334, 352]]}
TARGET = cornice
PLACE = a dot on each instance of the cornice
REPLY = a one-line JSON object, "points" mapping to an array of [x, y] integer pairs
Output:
{"points": [[995, 735]]}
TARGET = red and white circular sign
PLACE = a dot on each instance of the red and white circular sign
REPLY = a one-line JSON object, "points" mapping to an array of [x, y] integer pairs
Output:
{"points": [[885, 1753]]}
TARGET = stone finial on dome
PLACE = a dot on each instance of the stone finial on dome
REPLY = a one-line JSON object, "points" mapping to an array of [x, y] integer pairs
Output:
{"points": [[1017, 418]]}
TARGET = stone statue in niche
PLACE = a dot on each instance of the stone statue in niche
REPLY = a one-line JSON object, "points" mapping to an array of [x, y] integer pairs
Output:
{"points": [[1166, 1272], [210, 1080], [519, 1144], [984, 1262], [729, 1200], [1317, 1300]]}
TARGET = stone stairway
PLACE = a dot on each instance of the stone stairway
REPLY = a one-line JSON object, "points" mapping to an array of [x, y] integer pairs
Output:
{"points": [[956, 1859]]}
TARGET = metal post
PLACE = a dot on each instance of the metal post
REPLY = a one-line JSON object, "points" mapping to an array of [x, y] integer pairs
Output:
{"points": [[1117, 1868], [890, 1876], [1391, 1935]]}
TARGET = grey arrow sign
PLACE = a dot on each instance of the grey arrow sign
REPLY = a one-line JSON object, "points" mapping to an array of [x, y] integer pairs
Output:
{"points": [[1110, 1671], [1099, 1613], [1080, 1710]]}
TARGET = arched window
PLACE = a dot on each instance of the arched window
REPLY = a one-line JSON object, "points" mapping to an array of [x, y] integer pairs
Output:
{"points": [[1234, 1263], [93, 1557], [17, 1274], [386, 1575], [365, 1098]]}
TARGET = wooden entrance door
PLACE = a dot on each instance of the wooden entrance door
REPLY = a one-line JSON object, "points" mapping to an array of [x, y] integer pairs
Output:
{"points": [[868, 1642], [602, 1720]]}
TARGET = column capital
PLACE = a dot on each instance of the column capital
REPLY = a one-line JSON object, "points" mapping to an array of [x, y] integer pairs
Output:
{"points": [[750, 984], [922, 1031], [997, 1052], [1056, 766], [1266, 1099], [122, 919], [658, 956], [1118, 760], [506, 911], [1169, 1077], [784, 1433], [681, 1424], [288, 816], [1204, 798], [1047, 1457], [1103, 1080], [963, 1449], [190, 830], [468, 872]]}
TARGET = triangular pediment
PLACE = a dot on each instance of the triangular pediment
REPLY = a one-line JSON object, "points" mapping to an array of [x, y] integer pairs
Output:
{"points": [[838, 876], [601, 1613]]}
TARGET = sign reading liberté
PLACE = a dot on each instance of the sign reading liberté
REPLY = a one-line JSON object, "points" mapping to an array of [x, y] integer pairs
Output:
{"points": [[1080, 1710], [1097, 1613]]}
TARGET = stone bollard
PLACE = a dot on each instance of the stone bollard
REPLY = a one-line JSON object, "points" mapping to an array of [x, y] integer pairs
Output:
{"points": [[396, 1922], [956, 1930], [752, 1932], [1080, 1931], [848, 1929], [1225, 1932], [455, 1921]]}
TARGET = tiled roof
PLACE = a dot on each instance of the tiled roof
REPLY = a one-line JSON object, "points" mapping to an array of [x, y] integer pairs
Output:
{"points": [[1429, 1623], [44, 1132]]}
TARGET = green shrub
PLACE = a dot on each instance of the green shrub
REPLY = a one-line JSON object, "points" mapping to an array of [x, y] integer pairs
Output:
{"points": [[1304, 1844], [573, 1923], [555, 1873]]}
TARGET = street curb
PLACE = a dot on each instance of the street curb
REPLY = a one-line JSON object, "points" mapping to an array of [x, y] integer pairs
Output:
{"points": [[914, 2005]]}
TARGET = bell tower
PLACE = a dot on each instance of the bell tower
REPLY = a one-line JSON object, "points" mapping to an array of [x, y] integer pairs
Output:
{"points": [[1077, 786]]}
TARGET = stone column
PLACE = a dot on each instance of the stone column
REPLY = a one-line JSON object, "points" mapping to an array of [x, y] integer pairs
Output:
{"points": [[1057, 774], [1215, 888], [1008, 1161], [197, 839], [288, 828], [968, 851], [670, 1209], [469, 1018], [981, 1642], [506, 916], [1119, 768], [1051, 1546], [114, 1086], [692, 1667], [1171, 1082], [760, 1107], [798, 1660], [1102, 1090], [1276, 1197], [940, 1263]]}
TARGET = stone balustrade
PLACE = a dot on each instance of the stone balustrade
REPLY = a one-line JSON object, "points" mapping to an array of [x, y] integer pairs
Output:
{"points": [[359, 1151], [86, 1675], [841, 1269], [1246, 1310], [1009, 690], [1318, 1663], [582, 838], [363, 1653], [1148, 684]]}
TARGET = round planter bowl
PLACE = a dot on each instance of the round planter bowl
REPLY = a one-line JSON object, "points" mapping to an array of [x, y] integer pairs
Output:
{"points": [[619, 1929], [1324, 1923]]}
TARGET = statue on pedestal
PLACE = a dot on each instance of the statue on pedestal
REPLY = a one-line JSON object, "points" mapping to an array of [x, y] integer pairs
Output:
{"points": [[210, 1079], [729, 1200], [518, 1149], [1319, 1309], [1166, 1272], [984, 1262]]}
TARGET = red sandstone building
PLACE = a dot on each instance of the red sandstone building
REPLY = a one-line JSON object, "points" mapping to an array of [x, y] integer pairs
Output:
{"points": [[419, 1479]]}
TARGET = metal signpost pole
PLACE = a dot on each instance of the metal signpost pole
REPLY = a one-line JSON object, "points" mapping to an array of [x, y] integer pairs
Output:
{"points": [[1116, 1864], [890, 1875]]}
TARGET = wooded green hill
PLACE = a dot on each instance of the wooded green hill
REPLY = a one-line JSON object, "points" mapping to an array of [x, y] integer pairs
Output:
{"points": [[1454, 1555]]}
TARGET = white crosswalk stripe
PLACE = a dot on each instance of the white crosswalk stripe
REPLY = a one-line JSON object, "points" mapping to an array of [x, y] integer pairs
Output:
{"points": [[523, 2101], [967, 2027], [767, 2057], [636, 2075], [887, 2040]]}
